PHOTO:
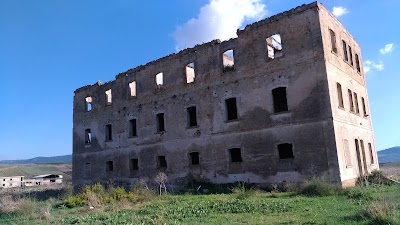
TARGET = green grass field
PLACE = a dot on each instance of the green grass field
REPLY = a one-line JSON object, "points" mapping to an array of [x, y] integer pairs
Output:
{"points": [[314, 202]]}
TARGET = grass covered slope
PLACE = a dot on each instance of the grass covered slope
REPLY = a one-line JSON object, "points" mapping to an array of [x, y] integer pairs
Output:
{"points": [[30, 170], [374, 204]]}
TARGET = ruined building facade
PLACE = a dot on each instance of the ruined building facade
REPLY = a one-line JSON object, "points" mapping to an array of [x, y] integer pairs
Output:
{"points": [[283, 101]]}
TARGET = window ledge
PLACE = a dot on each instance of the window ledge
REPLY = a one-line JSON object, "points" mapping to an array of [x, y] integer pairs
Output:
{"points": [[232, 121], [192, 127], [342, 108], [335, 53], [130, 137]]}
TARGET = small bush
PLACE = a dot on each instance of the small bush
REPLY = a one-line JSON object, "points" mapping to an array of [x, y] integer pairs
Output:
{"points": [[317, 187], [96, 196], [357, 193], [242, 191], [381, 212]]}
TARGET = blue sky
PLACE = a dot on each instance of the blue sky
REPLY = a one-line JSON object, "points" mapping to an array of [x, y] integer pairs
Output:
{"points": [[49, 48]]}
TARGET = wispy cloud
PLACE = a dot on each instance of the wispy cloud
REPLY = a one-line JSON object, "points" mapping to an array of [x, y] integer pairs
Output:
{"points": [[373, 66], [387, 49], [339, 11], [219, 19]]}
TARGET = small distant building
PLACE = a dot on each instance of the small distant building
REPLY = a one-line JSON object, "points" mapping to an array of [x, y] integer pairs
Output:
{"points": [[20, 181], [12, 181], [47, 179]]}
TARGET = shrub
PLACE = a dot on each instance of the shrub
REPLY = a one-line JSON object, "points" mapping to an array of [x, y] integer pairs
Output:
{"points": [[241, 190], [357, 193], [318, 187], [381, 212]]}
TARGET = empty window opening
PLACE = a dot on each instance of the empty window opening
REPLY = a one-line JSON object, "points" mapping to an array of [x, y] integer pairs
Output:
{"points": [[371, 153], [162, 162], [356, 103], [132, 89], [280, 99], [333, 41], [347, 156], [340, 95], [363, 107], [88, 137], [108, 132], [192, 116], [351, 104], [231, 109], [345, 55], [190, 73], [274, 46], [132, 128], [285, 151], [159, 80], [160, 122], [236, 155], [228, 61], [109, 166], [194, 158], [133, 166], [351, 56], [358, 63], [88, 103], [108, 97]]}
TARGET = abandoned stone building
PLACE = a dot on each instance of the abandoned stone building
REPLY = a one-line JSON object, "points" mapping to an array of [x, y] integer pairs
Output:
{"points": [[283, 101]]}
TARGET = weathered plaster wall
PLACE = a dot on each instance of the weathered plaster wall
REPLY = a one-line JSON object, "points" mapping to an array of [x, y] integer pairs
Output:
{"points": [[348, 125], [307, 125]]}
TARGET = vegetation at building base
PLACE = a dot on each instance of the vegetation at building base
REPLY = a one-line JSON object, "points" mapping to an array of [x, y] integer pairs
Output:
{"points": [[313, 202]]}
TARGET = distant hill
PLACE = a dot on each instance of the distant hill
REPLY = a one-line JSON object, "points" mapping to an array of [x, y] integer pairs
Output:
{"points": [[389, 155], [54, 159]]}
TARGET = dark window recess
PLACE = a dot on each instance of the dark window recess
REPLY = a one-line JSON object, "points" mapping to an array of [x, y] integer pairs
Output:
{"points": [[132, 128], [356, 103], [88, 137], [109, 166], [134, 164], [351, 103], [162, 162], [340, 95], [280, 99], [285, 151], [358, 63], [236, 155], [192, 116], [194, 158], [108, 132], [160, 122], [363, 107], [371, 153], [351, 56], [333, 40], [231, 109], [345, 55]]}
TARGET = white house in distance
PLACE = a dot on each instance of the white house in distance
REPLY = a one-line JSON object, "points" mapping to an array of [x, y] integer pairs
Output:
{"points": [[40, 180]]}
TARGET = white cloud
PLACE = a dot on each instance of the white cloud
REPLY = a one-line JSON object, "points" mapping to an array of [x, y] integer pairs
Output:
{"points": [[339, 11], [219, 19], [387, 49], [373, 66]]}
